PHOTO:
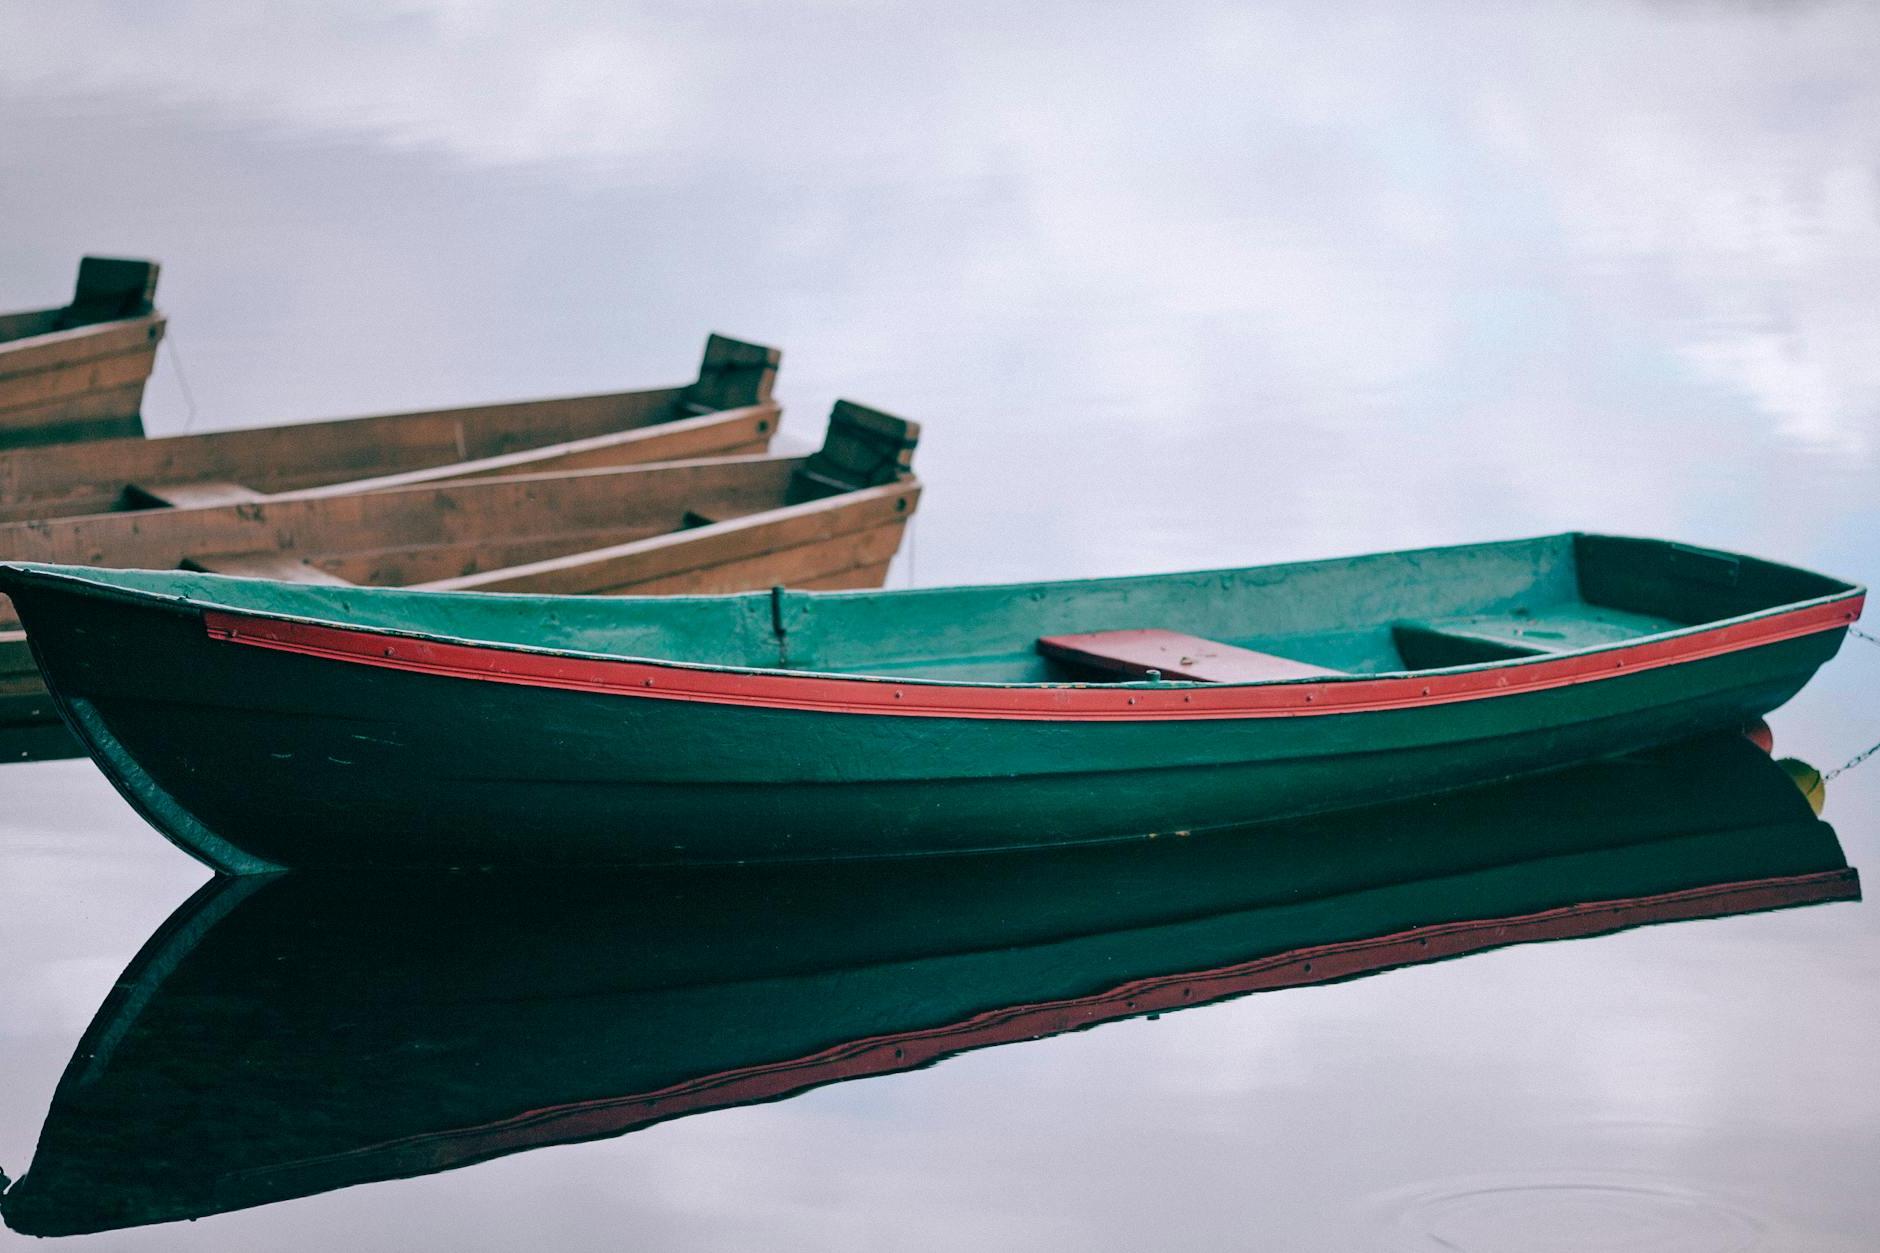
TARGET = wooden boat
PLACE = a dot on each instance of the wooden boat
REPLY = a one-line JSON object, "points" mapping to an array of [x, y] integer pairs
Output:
{"points": [[262, 725], [832, 519], [76, 372], [726, 410], [286, 1035]]}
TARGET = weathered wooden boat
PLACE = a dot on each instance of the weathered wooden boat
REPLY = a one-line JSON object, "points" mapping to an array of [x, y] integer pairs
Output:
{"points": [[76, 372], [832, 519], [287, 1035], [263, 725], [726, 410]]}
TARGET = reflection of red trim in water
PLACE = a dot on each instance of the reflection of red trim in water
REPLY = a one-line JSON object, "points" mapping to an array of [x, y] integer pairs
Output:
{"points": [[1095, 703], [877, 1055]]}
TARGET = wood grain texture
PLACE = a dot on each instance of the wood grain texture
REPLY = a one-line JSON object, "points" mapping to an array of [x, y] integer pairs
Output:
{"points": [[714, 524], [38, 387], [665, 562], [805, 565], [350, 455], [189, 495], [1173, 655], [86, 343], [712, 434], [284, 567]]}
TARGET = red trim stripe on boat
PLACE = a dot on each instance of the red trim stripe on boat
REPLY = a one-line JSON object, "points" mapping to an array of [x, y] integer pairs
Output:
{"points": [[1066, 703]]}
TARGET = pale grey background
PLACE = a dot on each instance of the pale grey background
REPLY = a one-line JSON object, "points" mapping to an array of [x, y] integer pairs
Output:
{"points": [[1169, 285]]}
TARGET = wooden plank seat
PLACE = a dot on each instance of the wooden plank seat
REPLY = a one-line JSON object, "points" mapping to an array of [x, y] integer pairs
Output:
{"points": [[1519, 633], [187, 495], [264, 565], [1479, 638], [1189, 658]]}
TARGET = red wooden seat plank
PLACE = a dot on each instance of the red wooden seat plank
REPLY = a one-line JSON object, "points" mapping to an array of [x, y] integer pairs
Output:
{"points": [[1177, 656]]}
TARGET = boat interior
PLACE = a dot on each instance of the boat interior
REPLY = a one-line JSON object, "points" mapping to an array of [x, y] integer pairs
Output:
{"points": [[391, 450], [108, 289], [1383, 613], [586, 531]]}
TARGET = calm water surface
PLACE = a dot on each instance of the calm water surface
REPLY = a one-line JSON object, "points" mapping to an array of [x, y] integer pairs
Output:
{"points": [[1169, 289]]}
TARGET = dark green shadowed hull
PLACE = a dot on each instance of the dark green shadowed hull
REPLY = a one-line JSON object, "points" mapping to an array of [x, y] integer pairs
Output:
{"points": [[286, 1035], [252, 758]]}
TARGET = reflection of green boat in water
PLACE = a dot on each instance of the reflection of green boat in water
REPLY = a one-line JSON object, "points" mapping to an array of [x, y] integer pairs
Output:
{"points": [[287, 1035]]}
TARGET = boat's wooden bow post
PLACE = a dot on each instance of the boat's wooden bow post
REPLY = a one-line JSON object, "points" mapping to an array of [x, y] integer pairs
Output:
{"points": [[733, 375], [864, 448], [110, 288]]}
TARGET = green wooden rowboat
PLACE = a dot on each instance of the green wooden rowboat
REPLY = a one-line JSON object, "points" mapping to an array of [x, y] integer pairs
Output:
{"points": [[285, 1035], [263, 725]]}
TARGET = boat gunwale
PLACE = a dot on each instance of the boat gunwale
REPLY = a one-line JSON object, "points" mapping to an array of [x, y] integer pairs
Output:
{"points": [[310, 635], [477, 472], [61, 461], [497, 466], [70, 334], [172, 439]]}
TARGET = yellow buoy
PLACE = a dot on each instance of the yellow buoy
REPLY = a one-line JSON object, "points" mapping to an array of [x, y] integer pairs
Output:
{"points": [[1808, 779]]}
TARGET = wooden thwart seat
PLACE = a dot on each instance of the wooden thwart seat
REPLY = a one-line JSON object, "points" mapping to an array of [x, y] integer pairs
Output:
{"points": [[1475, 639], [1176, 656], [267, 565], [187, 495]]}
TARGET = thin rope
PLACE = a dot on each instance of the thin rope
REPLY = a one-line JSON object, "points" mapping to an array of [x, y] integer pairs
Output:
{"points": [[1859, 634], [182, 381], [913, 547]]}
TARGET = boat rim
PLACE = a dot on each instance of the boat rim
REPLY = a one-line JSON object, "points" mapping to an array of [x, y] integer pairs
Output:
{"points": [[96, 579]]}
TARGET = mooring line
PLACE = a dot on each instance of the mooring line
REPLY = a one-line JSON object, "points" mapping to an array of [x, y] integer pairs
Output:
{"points": [[176, 363], [913, 550]]}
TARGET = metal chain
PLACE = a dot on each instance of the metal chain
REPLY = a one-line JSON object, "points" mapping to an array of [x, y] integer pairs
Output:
{"points": [[1857, 758], [1850, 763]]}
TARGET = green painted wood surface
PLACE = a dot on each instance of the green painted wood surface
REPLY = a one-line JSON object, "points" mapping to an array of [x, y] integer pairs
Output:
{"points": [[1341, 614], [251, 758]]}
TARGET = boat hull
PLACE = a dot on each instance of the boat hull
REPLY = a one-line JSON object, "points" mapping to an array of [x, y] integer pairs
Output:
{"points": [[705, 526], [254, 758], [78, 385], [726, 410], [76, 372]]}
